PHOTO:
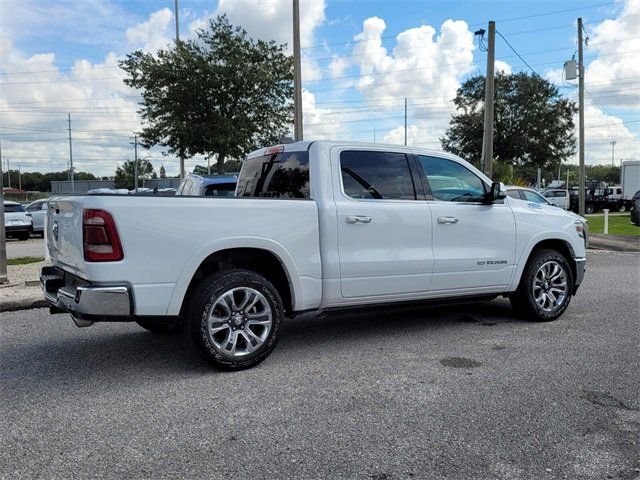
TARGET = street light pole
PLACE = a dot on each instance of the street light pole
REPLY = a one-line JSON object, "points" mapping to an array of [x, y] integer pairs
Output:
{"points": [[613, 148]]}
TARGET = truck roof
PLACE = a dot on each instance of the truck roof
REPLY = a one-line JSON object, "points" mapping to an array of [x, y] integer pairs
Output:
{"points": [[305, 144]]}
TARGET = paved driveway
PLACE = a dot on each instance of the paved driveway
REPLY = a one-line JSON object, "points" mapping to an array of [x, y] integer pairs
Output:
{"points": [[34, 247], [466, 392]]}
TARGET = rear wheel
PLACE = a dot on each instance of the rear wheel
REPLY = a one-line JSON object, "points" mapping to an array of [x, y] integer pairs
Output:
{"points": [[589, 208], [622, 207], [545, 288], [234, 319], [23, 236]]}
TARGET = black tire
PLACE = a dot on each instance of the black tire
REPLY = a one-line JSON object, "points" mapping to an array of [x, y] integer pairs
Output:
{"points": [[622, 208], [588, 208], [161, 328], [209, 298], [23, 236], [523, 300]]}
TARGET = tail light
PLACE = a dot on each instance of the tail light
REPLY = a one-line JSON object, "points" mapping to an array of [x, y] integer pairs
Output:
{"points": [[100, 237]]}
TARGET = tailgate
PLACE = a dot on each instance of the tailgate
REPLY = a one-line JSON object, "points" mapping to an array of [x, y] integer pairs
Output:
{"points": [[64, 233]]}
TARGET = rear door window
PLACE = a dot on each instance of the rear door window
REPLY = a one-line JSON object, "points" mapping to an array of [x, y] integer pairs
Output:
{"points": [[376, 175], [281, 175]]}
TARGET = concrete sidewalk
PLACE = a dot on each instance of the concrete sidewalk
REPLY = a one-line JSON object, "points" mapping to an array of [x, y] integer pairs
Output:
{"points": [[23, 290], [618, 243]]}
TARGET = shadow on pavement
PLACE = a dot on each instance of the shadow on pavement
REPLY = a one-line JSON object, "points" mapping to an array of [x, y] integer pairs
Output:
{"points": [[117, 354]]}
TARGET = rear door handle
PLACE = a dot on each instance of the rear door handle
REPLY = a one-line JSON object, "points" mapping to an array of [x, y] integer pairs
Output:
{"points": [[358, 219], [447, 220]]}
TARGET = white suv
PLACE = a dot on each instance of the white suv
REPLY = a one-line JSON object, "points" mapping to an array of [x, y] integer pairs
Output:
{"points": [[17, 222]]}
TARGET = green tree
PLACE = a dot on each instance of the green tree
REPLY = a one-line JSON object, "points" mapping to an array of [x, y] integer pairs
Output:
{"points": [[222, 93], [533, 123], [200, 170], [125, 174], [163, 172]]}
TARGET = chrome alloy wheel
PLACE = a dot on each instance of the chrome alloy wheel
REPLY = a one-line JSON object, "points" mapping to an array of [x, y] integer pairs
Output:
{"points": [[239, 322], [550, 286]]}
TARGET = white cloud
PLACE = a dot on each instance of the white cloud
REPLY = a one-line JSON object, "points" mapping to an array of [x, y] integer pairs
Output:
{"points": [[319, 123], [502, 67], [600, 129], [612, 78], [338, 66], [274, 20], [153, 34]]}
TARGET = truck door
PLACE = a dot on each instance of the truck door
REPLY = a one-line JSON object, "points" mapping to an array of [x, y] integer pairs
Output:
{"points": [[473, 243], [384, 228]]}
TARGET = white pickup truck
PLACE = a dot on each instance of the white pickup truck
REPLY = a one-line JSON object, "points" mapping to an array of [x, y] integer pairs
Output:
{"points": [[313, 225]]}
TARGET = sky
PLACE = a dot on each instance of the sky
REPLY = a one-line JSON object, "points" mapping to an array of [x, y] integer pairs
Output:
{"points": [[360, 60]]}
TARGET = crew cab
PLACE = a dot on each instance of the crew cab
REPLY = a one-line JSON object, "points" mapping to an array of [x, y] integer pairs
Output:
{"points": [[312, 225]]}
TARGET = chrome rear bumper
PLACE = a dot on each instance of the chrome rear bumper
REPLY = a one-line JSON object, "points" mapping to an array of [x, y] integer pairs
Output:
{"points": [[86, 303]]}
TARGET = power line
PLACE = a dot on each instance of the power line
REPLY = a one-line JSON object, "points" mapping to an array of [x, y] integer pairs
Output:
{"points": [[514, 51]]}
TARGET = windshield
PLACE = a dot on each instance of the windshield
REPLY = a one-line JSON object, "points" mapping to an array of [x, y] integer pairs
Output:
{"points": [[13, 208]]}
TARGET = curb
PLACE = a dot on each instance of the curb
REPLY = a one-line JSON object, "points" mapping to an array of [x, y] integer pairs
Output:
{"points": [[618, 243], [24, 304]]}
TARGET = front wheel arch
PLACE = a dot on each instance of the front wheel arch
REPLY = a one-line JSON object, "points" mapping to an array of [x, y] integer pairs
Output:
{"points": [[558, 245]]}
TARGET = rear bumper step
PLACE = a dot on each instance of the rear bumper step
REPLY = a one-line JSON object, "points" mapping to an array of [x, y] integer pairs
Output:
{"points": [[86, 303]]}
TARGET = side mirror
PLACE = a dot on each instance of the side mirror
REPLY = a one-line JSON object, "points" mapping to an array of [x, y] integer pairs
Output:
{"points": [[497, 192]]}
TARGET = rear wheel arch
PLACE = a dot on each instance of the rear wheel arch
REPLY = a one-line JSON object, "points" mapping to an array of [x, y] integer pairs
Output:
{"points": [[261, 261]]}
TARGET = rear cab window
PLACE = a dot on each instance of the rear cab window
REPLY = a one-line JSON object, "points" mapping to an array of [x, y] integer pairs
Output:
{"points": [[277, 175]]}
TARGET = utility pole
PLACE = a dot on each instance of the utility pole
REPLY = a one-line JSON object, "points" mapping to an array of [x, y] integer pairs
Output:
{"points": [[405, 120], [177, 24], [613, 148], [177, 15], [487, 139], [73, 188], [374, 134], [8, 174], [297, 75], [3, 239], [135, 163], [581, 174]]}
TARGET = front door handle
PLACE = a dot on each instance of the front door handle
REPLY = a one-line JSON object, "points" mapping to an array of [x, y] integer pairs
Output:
{"points": [[358, 219], [443, 220]]}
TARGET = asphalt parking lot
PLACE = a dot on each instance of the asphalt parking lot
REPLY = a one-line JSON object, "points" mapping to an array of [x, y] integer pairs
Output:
{"points": [[34, 247], [404, 392]]}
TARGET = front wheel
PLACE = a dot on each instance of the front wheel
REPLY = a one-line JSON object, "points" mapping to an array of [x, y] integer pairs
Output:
{"points": [[622, 208], [23, 236], [545, 288], [589, 208], [234, 319]]}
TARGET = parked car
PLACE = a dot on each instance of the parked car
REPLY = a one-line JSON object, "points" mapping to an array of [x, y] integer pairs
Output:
{"points": [[38, 210], [635, 209], [527, 194], [558, 197], [313, 225], [208, 185], [17, 222]]}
